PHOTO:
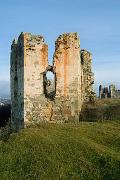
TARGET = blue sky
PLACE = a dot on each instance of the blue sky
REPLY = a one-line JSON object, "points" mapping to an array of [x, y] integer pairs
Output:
{"points": [[96, 21]]}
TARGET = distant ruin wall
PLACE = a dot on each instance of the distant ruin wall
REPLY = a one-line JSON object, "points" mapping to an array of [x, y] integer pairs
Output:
{"points": [[35, 97], [111, 92]]}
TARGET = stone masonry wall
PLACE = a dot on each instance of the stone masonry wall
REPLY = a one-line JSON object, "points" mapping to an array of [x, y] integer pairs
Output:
{"points": [[29, 58], [32, 95], [67, 64], [88, 76], [35, 63], [14, 85]]}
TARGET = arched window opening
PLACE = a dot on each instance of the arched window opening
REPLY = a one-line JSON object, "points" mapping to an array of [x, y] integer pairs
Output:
{"points": [[49, 83]]}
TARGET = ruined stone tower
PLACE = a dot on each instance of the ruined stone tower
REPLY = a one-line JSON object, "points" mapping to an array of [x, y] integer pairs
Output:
{"points": [[34, 96]]}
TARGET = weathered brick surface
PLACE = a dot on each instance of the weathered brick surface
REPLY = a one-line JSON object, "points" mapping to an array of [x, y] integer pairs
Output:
{"points": [[33, 99]]}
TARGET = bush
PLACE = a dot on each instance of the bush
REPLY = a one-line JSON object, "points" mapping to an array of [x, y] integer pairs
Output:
{"points": [[101, 110], [5, 132], [5, 113]]}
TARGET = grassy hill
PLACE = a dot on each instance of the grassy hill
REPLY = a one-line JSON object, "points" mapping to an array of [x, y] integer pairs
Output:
{"points": [[88, 150]]}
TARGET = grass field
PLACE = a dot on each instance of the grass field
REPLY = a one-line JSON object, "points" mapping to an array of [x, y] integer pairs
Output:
{"points": [[88, 150]]}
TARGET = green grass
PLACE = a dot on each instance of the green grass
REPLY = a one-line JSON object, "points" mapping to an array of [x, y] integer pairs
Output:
{"points": [[63, 151]]}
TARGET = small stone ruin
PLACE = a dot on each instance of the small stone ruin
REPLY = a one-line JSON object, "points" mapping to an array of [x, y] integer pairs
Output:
{"points": [[111, 92]]}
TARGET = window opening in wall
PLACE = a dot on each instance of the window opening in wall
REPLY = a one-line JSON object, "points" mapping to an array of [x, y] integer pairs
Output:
{"points": [[49, 83]]}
